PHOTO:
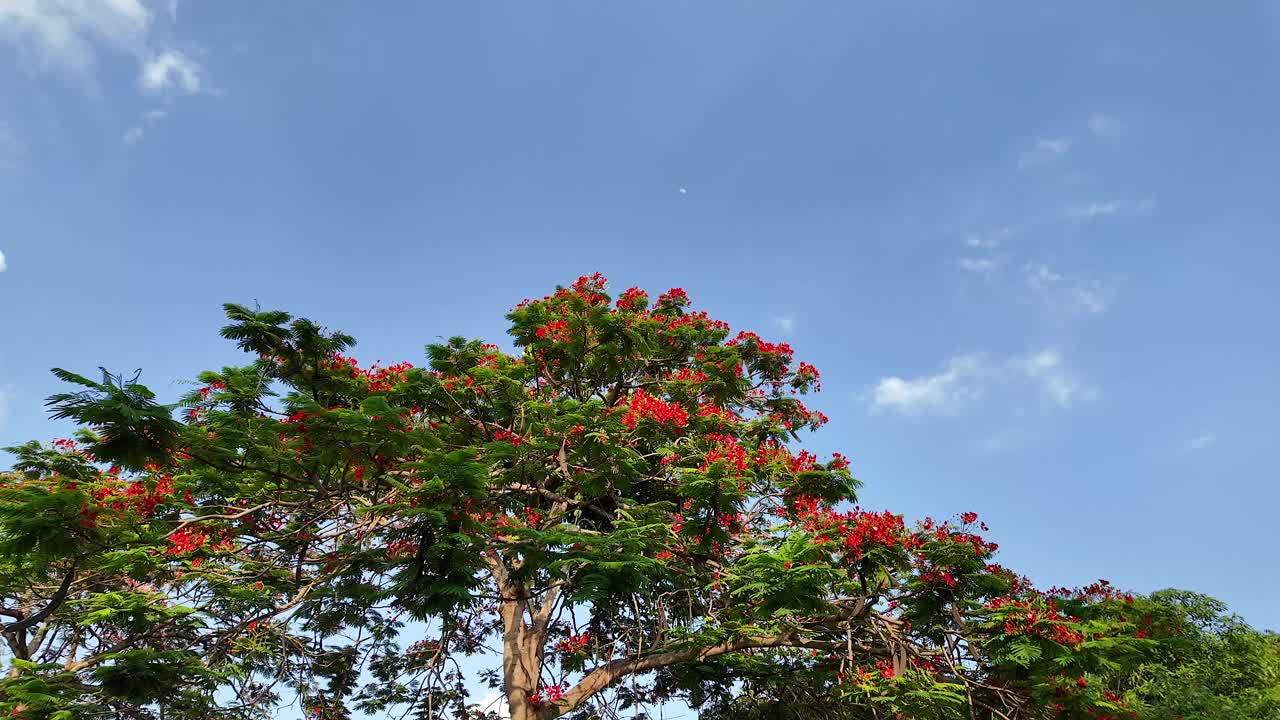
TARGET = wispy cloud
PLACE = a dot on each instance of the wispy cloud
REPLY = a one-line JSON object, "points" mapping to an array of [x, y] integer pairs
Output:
{"points": [[1086, 212], [1076, 294], [1203, 441], [1044, 151], [134, 134], [12, 151], [1093, 211], [3, 264], [1045, 369], [170, 70], [785, 323], [992, 238], [1106, 125], [66, 34], [966, 379], [984, 267], [958, 384]]}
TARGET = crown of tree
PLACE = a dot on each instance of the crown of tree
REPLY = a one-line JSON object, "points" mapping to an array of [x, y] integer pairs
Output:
{"points": [[621, 511]]}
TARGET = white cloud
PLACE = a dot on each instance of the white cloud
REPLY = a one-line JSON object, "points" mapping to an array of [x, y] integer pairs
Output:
{"points": [[785, 323], [1041, 276], [992, 238], [3, 266], [1053, 146], [69, 35], [1045, 370], [170, 70], [958, 384], [1105, 125], [494, 702], [134, 134], [64, 34], [1080, 294], [985, 267], [1092, 211], [1203, 441], [1044, 151], [967, 379], [12, 150]]}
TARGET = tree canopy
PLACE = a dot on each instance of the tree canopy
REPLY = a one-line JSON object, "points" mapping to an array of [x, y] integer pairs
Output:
{"points": [[621, 511]]}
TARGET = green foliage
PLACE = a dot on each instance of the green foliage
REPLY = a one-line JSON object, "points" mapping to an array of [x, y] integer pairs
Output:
{"points": [[620, 509], [1218, 668], [130, 428]]}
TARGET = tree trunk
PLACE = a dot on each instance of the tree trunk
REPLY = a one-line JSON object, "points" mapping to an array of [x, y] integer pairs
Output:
{"points": [[521, 661]]}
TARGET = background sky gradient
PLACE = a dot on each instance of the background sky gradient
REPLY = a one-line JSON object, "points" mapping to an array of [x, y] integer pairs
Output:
{"points": [[1031, 248]]}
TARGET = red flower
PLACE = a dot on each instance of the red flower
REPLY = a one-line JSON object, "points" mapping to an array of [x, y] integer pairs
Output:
{"points": [[633, 299], [641, 406], [674, 296]]}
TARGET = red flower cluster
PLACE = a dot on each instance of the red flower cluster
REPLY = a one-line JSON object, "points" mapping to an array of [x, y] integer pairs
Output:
{"points": [[574, 643], [402, 548], [185, 541], [699, 320], [697, 377], [857, 530], [782, 350], [941, 577], [675, 296], [135, 496], [380, 379], [642, 406], [816, 418], [726, 449], [591, 288], [555, 330], [503, 434], [712, 410], [217, 385], [809, 374], [553, 694], [803, 462], [1037, 619], [633, 299]]}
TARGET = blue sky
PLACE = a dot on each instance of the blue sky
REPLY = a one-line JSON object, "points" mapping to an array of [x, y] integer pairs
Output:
{"points": [[1031, 248]]}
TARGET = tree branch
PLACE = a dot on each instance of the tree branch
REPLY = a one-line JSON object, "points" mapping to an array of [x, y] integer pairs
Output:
{"points": [[54, 602], [609, 673]]}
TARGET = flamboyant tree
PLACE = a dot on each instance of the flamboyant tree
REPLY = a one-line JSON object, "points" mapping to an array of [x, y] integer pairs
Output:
{"points": [[621, 510]]}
